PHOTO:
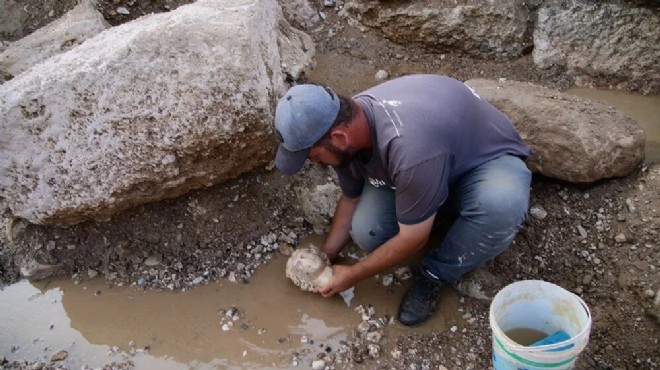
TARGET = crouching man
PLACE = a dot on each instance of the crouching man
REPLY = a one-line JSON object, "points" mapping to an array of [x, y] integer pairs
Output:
{"points": [[409, 153]]}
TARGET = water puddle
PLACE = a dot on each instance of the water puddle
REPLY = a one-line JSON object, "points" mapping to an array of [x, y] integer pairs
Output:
{"points": [[644, 109], [185, 330]]}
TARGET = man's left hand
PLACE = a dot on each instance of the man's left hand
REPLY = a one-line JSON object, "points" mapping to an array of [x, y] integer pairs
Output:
{"points": [[342, 278]]}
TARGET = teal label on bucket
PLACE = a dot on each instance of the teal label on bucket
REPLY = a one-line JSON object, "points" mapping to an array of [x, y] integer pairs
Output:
{"points": [[506, 364], [500, 364]]}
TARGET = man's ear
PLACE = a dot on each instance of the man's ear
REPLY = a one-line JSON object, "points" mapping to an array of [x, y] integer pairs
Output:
{"points": [[339, 138]]}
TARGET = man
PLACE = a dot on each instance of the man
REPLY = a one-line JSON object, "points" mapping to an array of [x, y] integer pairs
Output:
{"points": [[408, 152]]}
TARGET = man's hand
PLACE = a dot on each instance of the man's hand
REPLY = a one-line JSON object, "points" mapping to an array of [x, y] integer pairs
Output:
{"points": [[341, 224], [410, 239], [342, 278]]}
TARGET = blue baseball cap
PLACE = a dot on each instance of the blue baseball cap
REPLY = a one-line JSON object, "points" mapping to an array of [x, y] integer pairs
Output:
{"points": [[304, 114]]}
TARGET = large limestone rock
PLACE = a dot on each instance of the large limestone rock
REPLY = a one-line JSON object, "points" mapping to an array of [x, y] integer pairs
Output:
{"points": [[146, 111], [572, 138], [493, 28], [617, 41], [76, 26]]}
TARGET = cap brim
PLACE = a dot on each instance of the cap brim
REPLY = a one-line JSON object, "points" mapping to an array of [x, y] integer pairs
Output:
{"points": [[290, 162]]}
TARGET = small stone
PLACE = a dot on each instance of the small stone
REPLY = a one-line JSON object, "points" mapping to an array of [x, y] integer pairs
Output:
{"points": [[123, 10], [582, 231], [286, 249], [92, 273], [363, 327], [374, 350], [374, 336], [382, 75], [152, 261], [59, 356], [388, 279], [538, 212], [318, 364], [620, 238], [329, 3], [403, 273]]}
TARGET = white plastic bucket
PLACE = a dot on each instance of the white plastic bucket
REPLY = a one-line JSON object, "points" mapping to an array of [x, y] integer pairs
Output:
{"points": [[541, 306]]}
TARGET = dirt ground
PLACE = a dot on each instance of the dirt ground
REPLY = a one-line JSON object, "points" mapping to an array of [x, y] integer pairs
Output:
{"points": [[598, 240]]}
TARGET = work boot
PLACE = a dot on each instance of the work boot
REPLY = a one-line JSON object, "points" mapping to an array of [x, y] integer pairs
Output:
{"points": [[420, 301]]}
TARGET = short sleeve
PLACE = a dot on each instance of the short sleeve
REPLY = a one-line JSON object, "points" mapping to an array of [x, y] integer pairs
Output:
{"points": [[422, 189]]}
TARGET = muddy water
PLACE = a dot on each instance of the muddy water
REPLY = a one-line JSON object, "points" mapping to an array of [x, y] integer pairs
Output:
{"points": [[644, 109], [184, 330]]}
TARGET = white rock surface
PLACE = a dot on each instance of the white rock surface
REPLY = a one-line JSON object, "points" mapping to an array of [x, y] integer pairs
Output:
{"points": [[146, 111], [79, 24]]}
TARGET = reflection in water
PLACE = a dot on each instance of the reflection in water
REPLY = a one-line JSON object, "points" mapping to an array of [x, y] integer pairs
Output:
{"points": [[644, 109], [185, 330]]}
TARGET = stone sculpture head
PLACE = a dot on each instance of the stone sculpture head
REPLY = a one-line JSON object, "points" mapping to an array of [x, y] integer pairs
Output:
{"points": [[309, 269]]}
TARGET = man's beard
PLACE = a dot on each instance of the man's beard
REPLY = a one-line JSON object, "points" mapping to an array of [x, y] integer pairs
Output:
{"points": [[344, 156]]}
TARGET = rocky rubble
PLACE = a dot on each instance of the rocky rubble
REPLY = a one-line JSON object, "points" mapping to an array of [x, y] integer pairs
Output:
{"points": [[167, 272]]}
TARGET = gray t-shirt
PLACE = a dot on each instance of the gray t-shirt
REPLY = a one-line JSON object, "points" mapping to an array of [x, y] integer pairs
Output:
{"points": [[427, 131]]}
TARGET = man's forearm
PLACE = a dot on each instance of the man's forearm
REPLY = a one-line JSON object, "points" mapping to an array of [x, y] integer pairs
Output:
{"points": [[339, 234], [410, 239]]}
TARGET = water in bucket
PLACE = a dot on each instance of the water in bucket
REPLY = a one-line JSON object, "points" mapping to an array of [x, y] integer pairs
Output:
{"points": [[537, 325]]}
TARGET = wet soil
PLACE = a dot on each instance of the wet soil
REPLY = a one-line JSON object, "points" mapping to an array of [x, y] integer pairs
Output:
{"points": [[599, 241]]}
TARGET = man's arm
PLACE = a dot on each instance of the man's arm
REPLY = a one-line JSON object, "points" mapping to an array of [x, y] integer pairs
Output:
{"points": [[410, 239], [339, 235]]}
